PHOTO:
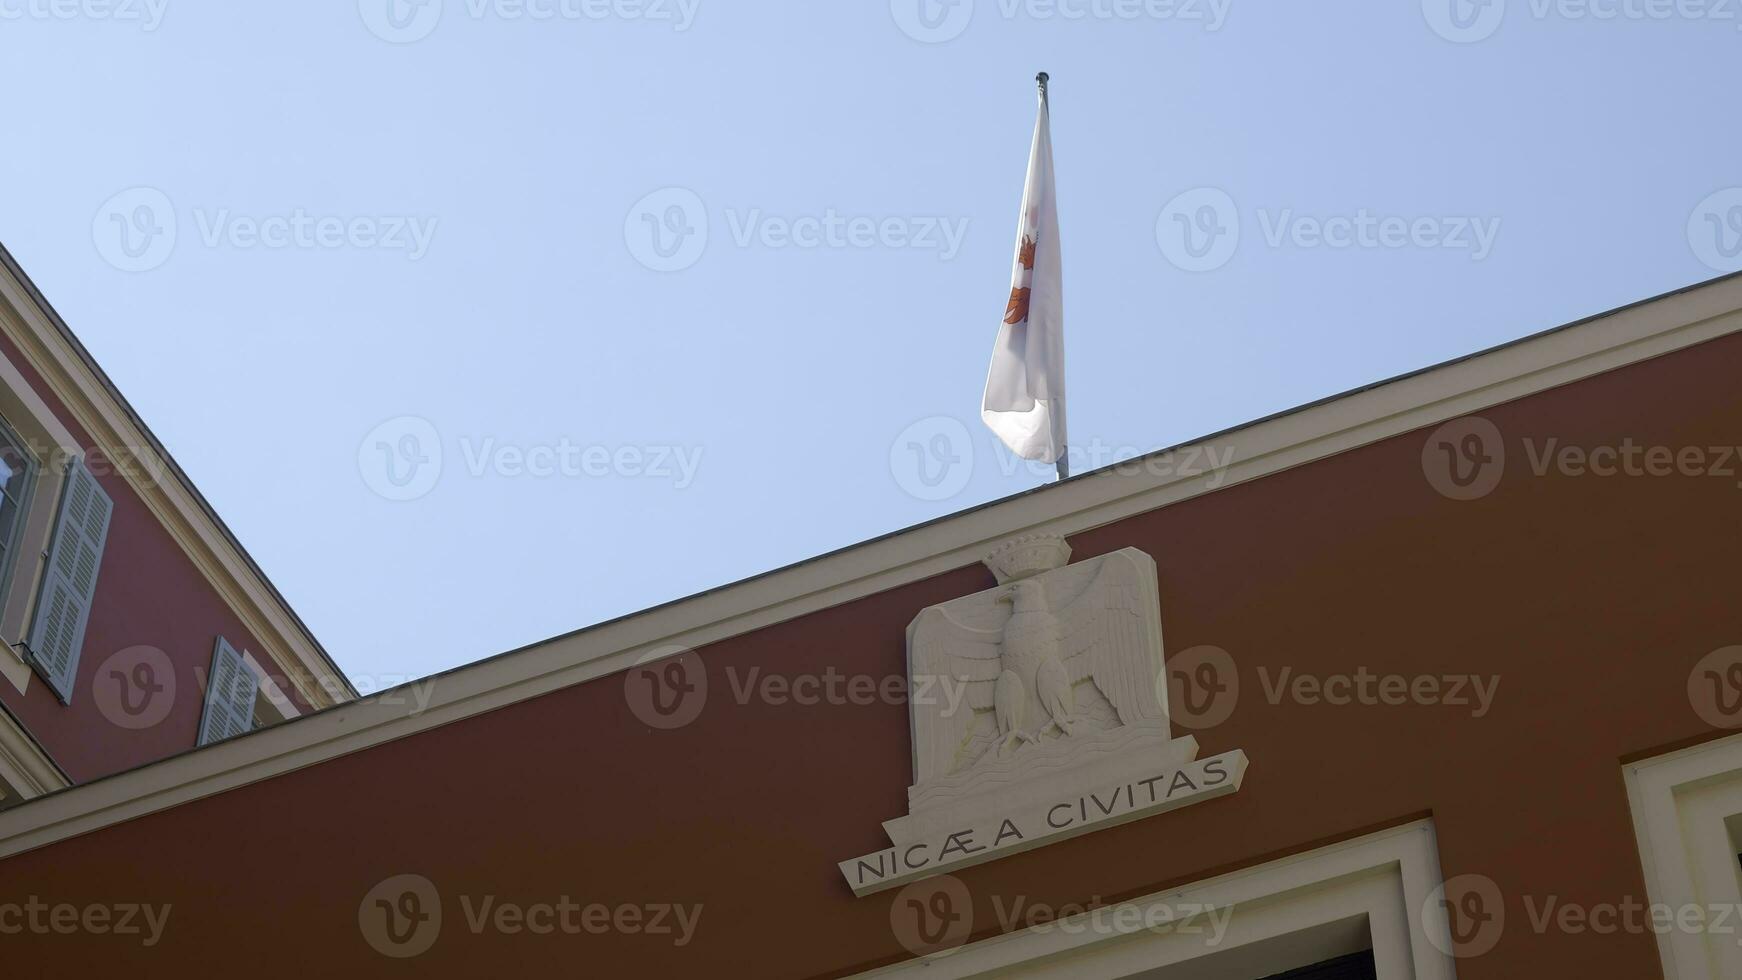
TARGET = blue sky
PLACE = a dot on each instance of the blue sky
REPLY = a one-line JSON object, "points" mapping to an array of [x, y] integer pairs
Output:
{"points": [[386, 280]]}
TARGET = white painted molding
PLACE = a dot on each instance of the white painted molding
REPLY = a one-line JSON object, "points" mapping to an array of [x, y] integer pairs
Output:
{"points": [[1681, 804], [1272, 445], [275, 696], [23, 764], [1339, 899], [100, 410]]}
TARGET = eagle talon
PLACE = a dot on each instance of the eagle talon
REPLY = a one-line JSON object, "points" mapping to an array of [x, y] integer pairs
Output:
{"points": [[1013, 738]]}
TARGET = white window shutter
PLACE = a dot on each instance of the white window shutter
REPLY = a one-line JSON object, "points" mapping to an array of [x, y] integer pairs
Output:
{"points": [[69, 582], [230, 691]]}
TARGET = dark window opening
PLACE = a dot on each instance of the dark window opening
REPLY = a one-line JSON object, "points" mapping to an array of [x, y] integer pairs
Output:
{"points": [[1356, 967]]}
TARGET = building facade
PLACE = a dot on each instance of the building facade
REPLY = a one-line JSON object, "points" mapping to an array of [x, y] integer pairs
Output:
{"points": [[134, 626], [1434, 679]]}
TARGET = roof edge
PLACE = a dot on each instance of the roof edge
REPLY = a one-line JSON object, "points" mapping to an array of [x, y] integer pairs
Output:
{"points": [[1540, 362], [74, 375]]}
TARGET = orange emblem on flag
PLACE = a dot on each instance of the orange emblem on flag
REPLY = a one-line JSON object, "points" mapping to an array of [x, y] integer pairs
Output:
{"points": [[1017, 311]]}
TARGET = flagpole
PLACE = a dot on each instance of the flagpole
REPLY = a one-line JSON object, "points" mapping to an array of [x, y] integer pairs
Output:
{"points": [[1024, 400], [1064, 460]]}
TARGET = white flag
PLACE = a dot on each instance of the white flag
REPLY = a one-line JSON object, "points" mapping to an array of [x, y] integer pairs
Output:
{"points": [[1024, 404]]}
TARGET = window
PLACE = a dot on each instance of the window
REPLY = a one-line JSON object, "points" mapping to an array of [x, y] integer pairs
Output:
{"points": [[1359, 966], [231, 691], [1363, 908], [1687, 812], [36, 445], [69, 579], [17, 478]]}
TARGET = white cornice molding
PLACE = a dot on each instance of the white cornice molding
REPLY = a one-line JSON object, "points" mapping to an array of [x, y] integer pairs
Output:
{"points": [[24, 764], [88, 397], [1636, 333]]}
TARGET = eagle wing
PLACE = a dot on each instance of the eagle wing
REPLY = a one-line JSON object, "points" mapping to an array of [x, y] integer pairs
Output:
{"points": [[1108, 637], [946, 658]]}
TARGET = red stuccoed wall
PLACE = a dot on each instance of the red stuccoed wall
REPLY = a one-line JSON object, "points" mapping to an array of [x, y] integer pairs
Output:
{"points": [[148, 593], [1590, 598]]}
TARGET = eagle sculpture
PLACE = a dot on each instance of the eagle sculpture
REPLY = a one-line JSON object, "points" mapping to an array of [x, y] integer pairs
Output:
{"points": [[1026, 681]]}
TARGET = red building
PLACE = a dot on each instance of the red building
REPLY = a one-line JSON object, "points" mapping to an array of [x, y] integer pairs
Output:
{"points": [[134, 625], [1436, 678]]}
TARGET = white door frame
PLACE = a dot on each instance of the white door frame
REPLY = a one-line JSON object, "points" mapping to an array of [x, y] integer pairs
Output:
{"points": [[1376, 891]]}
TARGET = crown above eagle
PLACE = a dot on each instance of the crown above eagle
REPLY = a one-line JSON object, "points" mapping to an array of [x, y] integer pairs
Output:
{"points": [[1028, 555]]}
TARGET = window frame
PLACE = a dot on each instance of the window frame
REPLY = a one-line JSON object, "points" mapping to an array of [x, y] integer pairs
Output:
{"points": [[1371, 892], [10, 559], [1686, 807], [49, 441]]}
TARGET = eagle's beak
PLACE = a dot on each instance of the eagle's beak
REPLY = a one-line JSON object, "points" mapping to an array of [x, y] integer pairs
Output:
{"points": [[1009, 597]]}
